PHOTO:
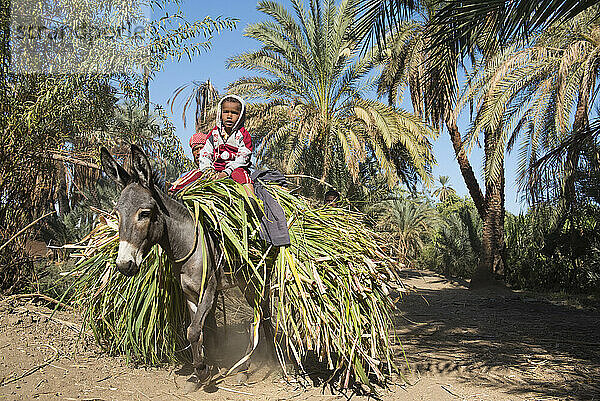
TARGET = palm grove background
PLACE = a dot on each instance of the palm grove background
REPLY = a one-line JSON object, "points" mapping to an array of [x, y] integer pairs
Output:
{"points": [[530, 88]]}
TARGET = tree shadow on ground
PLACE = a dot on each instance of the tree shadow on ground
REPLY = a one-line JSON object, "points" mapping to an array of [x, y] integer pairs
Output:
{"points": [[499, 338]]}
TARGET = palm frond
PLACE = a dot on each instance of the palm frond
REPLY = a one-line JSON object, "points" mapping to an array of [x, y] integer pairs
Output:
{"points": [[310, 59]]}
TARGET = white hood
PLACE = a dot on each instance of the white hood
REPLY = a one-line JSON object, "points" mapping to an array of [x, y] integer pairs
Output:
{"points": [[240, 121]]}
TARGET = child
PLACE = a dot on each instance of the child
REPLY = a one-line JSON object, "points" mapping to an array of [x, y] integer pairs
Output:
{"points": [[197, 142], [229, 150]]}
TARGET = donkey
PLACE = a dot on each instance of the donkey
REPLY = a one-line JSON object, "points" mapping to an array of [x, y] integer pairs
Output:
{"points": [[147, 216]]}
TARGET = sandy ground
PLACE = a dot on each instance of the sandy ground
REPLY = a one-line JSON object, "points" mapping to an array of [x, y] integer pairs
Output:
{"points": [[460, 345]]}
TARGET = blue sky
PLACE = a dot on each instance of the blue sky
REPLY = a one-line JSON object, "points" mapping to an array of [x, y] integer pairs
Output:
{"points": [[211, 65]]}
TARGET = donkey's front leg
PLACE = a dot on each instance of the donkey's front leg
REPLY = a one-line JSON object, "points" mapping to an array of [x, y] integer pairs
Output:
{"points": [[195, 333], [193, 383]]}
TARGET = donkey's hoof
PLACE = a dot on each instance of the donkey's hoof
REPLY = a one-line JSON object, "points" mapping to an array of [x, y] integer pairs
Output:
{"points": [[191, 385], [241, 378], [204, 375]]}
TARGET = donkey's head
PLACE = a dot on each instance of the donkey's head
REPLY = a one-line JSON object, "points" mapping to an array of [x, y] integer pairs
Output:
{"points": [[139, 208]]}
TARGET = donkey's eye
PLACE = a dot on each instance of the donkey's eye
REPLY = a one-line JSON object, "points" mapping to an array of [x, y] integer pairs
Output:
{"points": [[144, 214]]}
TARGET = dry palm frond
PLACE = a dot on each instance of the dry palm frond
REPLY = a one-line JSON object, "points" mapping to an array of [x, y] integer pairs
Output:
{"points": [[330, 287]]}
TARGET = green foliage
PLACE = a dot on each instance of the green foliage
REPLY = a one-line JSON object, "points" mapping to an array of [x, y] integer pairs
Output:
{"points": [[87, 189], [52, 124], [154, 133], [173, 36], [444, 191], [454, 249], [205, 97], [81, 218], [545, 249], [554, 253], [409, 223], [39, 113], [537, 98], [141, 317], [535, 92], [504, 20]]}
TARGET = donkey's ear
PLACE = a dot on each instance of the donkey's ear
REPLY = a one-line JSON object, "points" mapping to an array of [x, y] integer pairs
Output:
{"points": [[113, 169], [141, 167]]}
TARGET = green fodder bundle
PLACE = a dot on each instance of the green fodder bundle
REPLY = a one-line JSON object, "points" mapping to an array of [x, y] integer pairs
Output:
{"points": [[330, 293], [141, 316]]}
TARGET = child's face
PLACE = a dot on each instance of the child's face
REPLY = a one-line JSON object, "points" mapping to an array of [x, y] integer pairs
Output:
{"points": [[230, 114], [196, 150]]}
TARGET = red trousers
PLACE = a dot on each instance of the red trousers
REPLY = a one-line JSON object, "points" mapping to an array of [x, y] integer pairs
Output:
{"points": [[239, 175]]}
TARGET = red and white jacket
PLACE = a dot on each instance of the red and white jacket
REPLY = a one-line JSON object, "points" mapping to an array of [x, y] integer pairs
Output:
{"points": [[227, 152]]}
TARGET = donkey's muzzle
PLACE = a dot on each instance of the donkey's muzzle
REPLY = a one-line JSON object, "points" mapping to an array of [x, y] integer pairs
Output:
{"points": [[129, 268]]}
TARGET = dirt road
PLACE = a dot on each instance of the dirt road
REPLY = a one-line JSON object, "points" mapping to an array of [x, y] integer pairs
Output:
{"points": [[460, 345]]}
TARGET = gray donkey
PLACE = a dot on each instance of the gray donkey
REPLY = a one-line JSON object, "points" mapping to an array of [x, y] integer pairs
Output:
{"points": [[147, 216]]}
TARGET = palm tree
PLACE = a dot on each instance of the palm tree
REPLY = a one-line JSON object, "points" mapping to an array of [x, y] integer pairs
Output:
{"points": [[314, 111], [444, 191], [410, 62], [431, 75], [409, 223], [500, 21], [458, 243], [533, 94], [451, 34], [542, 95], [204, 96]]}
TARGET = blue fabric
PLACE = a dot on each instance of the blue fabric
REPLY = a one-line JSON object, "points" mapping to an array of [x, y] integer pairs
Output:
{"points": [[273, 227]]}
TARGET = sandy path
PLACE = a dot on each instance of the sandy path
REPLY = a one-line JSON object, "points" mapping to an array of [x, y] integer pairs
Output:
{"points": [[461, 345]]}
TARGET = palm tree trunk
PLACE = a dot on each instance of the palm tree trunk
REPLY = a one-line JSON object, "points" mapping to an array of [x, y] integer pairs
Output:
{"points": [[499, 268], [491, 261], [581, 121], [490, 209], [465, 167]]}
